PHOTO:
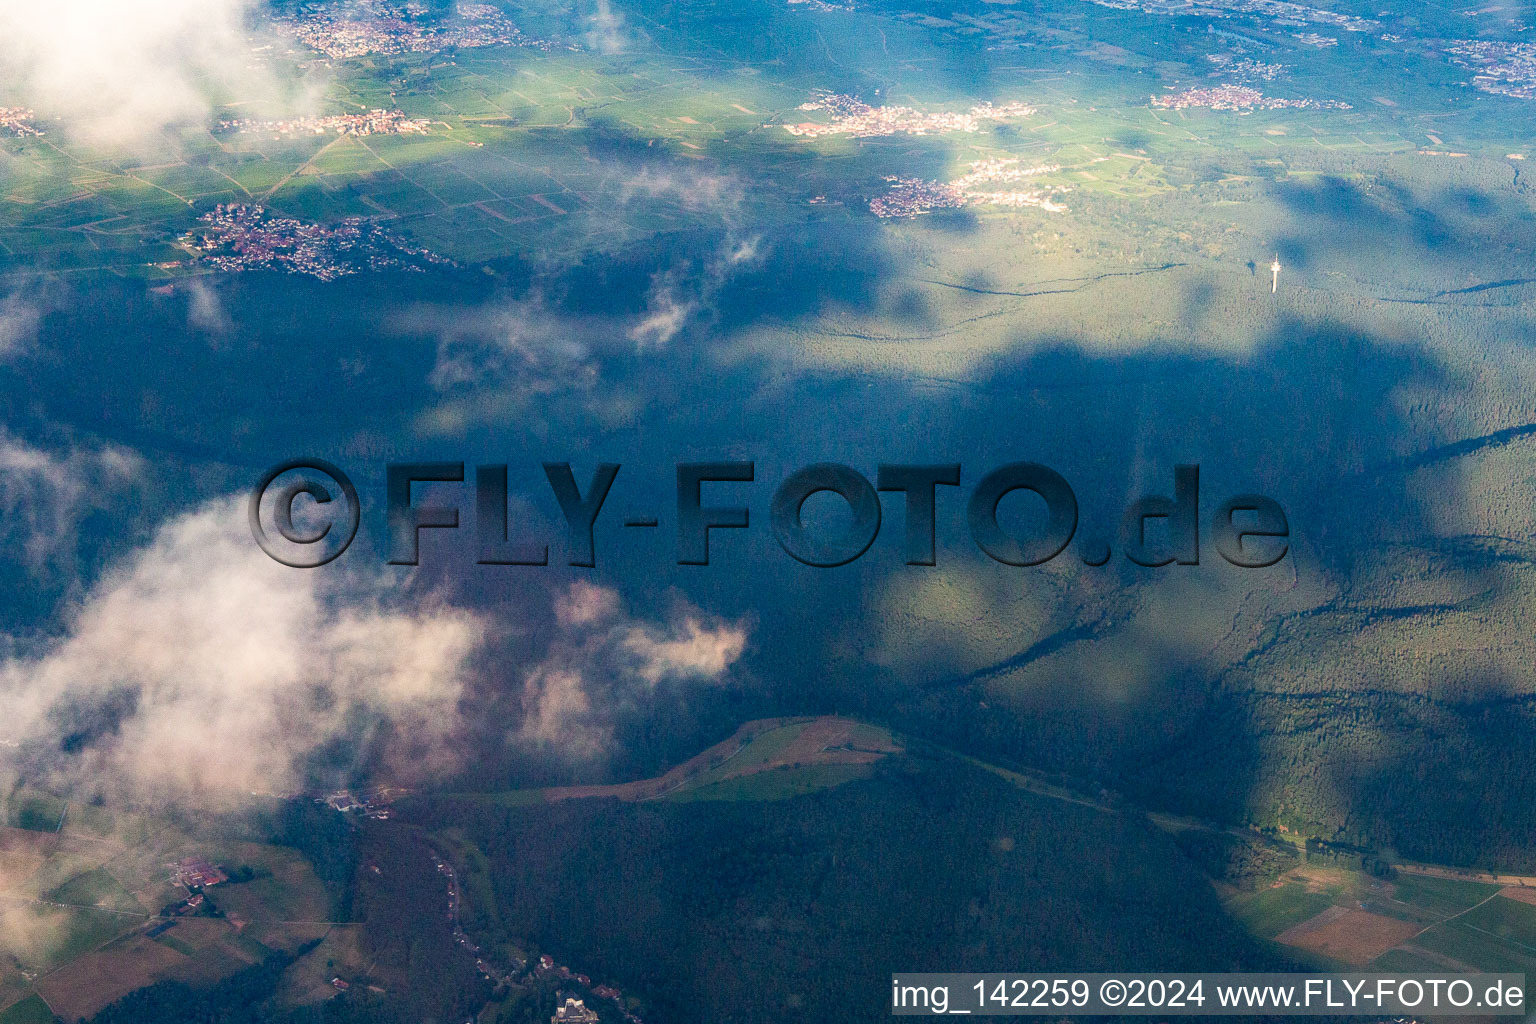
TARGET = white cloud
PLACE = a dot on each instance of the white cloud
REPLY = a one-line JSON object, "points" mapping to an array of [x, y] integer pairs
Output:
{"points": [[18, 325], [667, 310], [687, 648], [603, 29], [119, 71], [205, 311], [514, 360], [520, 342], [688, 287], [200, 670], [45, 494], [508, 359], [681, 293], [602, 661]]}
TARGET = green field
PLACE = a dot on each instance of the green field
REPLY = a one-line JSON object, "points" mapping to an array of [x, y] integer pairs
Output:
{"points": [[284, 888], [1441, 897], [532, 153], [52, 936], [1269, 912], [759, 751], [96, 888], [1500, 935], [1463, 923], [37, 812], [91, 820], [774, 783], [31, 1010]]}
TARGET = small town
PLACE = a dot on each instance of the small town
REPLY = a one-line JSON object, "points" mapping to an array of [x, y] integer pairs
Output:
{"points": [[374, 122], [1503, 69], [912, 197], [240, 237], [373, 803], [1246, 68], [569, 1009], [17, 122], [1280, 12], [819, 5], [1238, 97], [851, 116], [368, 27]]}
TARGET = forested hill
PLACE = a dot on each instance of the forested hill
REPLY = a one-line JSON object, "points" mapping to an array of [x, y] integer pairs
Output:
{"points": [[759, 910]]}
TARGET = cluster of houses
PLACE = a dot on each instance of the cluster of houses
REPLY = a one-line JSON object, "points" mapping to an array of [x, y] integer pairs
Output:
{"points": [[375, 122], [852, 116], [245, 236], [1504, 69], [1238, 97], [547, 968], [17, 121], [912, 197], [195, 873], [372, 804], [365, 27], [572, 1011]]}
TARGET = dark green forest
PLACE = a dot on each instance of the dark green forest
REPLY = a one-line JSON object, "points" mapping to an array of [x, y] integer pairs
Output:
{"points": [[1428, 779], [754, 911]]}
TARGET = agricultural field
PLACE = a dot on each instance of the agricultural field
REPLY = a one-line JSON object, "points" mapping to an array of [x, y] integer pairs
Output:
{"points": [[792, 760], [342, 952], [31, 1010], [1350, 920], [1110, 236], [34, 811], [764, 760], [89, 913], [530, 154]]}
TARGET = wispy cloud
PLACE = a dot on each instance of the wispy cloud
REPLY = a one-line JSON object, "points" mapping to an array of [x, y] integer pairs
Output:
{"points": [[603, 29], [523, 341], [18, 324], [682, 292], [604, 661], [121, 71], [557, 348], [45, 493], [511, 358], [686, 289], [205, 311], [200, 671]]}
